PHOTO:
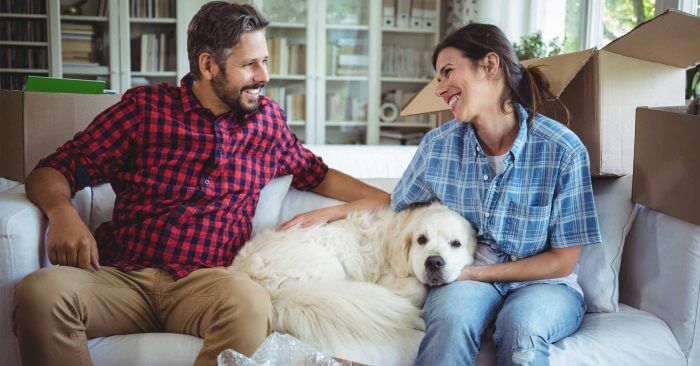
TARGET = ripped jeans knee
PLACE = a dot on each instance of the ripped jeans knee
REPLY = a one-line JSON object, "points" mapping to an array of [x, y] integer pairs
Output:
{"points": [[520, 347]]}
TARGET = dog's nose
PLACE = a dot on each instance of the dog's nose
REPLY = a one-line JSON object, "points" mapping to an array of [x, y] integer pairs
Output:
{"points": [[434, 263]]}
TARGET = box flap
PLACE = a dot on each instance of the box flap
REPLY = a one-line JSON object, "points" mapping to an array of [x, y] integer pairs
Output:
{"points": [[425, 101], [671, 38], [559, 70]]}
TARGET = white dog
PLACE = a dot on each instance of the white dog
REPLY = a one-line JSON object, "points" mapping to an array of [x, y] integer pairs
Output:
{"points": [[361, 279]]}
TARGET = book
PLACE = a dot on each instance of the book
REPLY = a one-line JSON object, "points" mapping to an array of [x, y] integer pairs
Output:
{"points": [[63, 85]]}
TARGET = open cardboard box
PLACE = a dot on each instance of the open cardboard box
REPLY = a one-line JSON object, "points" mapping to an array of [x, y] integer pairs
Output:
{"points": [[34, 124], [667, 162], [602, 87]]}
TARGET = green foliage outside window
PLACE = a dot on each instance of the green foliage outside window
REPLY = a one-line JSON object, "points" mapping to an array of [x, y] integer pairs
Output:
{"points": [[534, 46], [621, 16]]}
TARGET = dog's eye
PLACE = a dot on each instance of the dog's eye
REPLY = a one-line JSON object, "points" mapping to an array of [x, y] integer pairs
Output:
{"points": [[455, 244], [422, 239]]}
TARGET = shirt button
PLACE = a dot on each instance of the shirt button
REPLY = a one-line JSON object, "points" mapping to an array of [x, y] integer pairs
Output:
{"points": [[486, 177], [206, 182], [487, 214]]}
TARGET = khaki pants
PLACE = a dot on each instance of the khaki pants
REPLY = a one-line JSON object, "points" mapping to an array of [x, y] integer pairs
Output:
{"points": [[57, 309]]}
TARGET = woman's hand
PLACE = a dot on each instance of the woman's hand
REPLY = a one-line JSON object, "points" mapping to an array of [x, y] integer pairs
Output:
{"points": [[469, 273], [316, 217]]}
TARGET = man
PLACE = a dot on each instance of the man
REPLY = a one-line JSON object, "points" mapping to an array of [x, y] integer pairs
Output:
{"points": [[187, 165]]}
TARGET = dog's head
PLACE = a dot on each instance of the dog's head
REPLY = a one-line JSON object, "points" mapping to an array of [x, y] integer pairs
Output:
{"points": [[436, 244]]}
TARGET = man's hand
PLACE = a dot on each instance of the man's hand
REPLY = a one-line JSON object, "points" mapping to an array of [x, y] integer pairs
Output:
{"points": [[70, 243], [316, 217]]}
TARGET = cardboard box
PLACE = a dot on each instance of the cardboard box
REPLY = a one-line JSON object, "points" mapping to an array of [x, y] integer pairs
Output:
{"points": [[667, 162], [602, 88], [33, 125]]}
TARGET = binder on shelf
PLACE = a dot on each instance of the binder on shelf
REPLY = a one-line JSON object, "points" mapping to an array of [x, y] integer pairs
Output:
{"points": [[417, 17], [403, 13], [430, 14], [389, 13]]}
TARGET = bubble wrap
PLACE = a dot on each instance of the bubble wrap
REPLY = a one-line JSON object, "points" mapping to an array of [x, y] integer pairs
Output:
{"points": [[279, 350]]}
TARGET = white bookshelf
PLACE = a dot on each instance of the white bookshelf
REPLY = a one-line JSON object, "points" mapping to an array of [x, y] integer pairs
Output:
{"points": [[313, 23], [368, 86]]}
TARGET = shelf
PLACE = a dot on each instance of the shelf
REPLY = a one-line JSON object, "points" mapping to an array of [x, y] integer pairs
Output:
{"points": [[287, 25], [347, 78], [154, 73], [24, 43], [429, 31], [152, 20], [406, 124], [274, 77], [23, 16], [346, 124], [86, 70], [83, 18], [347, 27], [26, 71], [392, 79]]}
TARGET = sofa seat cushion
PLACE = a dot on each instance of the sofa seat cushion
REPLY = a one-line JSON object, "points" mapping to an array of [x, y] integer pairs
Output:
{"points": [[146, 349], [628, 337]]}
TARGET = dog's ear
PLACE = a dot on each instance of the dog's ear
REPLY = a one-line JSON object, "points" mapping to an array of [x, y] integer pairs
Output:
{"points": [[398, 252]]}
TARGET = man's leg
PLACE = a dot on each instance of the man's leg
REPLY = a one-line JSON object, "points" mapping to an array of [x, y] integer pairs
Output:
{"points": [[227, 309], [532, 318], [57, 309], [456, 316]]}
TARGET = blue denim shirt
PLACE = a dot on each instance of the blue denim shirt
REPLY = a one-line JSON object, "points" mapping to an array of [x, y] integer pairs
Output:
{"points": [[543, 199]]}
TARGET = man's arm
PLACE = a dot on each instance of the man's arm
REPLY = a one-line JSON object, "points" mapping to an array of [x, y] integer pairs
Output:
{"points": [[69, 241], [341, 186]]}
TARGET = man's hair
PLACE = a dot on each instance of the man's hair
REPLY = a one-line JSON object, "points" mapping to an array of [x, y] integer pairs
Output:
{"points": [[216, 28]]}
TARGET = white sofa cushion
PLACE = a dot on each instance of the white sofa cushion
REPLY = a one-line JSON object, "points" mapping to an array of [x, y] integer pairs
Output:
{"points": [[600, 264], [603, 339], [662, 275]]}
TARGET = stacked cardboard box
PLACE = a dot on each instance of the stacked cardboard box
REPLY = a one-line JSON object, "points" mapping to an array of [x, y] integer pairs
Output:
{"points": [[667, 162], [33, 125]]}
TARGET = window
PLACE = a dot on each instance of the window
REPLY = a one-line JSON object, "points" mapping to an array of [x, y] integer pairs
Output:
{"points": [[572, 26], [621, 16]]}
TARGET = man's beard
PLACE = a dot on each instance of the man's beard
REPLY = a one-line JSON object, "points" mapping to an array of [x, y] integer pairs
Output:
{"points": [[234, 98]]}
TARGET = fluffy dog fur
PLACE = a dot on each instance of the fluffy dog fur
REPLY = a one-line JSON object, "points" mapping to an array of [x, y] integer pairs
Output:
{"points": [[361, 279]]}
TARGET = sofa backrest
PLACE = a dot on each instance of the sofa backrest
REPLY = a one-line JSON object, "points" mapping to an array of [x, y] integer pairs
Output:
{"points": [[382, 166], [661, 274]]}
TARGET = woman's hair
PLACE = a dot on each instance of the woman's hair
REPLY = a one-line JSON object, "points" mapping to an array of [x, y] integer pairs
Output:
{"points": [[526, 86], [216, 28]]}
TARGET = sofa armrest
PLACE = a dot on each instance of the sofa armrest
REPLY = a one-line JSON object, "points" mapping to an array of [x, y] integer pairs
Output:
{"points": [[22, 228], [660, 272]]}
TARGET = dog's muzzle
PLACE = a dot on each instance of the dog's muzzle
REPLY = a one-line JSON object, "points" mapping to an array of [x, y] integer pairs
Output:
{"points": [[433, 270]]}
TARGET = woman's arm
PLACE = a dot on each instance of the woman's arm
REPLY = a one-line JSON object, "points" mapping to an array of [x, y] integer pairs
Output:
{"points": [[554, 263]]}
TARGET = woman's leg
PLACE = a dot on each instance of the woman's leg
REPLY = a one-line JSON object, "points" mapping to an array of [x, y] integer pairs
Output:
{"points": [[456, 316], [532, 318]]}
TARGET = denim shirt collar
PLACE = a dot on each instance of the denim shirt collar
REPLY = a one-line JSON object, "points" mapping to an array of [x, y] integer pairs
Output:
{"points": [[515, 150]]}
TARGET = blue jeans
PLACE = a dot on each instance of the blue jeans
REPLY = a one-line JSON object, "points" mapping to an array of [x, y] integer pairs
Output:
{"points": [[527, 321]]}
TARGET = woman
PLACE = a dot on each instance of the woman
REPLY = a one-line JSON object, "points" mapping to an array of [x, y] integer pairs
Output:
{"points": [[523, 181]]}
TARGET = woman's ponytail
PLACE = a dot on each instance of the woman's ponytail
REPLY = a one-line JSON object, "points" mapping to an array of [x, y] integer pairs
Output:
{"points": [[533, 91]]}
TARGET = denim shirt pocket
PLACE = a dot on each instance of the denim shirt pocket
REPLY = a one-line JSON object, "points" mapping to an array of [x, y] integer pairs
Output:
{"points": [[525, 230]]}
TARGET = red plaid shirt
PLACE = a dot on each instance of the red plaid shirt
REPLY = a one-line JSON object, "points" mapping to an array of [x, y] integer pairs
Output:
{"points": [[187, 182]]}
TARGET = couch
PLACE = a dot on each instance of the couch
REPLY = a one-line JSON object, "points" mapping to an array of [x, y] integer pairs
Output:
{"points": [[642, 285]]}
